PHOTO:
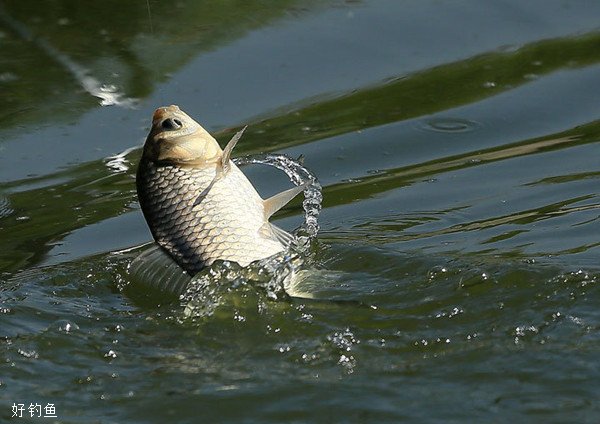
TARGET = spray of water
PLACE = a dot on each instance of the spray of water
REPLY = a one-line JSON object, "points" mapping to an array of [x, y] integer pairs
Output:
{"points": [[275, 277], [298, 175]]}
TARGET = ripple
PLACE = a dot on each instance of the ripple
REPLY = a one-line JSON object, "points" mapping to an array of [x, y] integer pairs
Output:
{"points": [[449, 125]]}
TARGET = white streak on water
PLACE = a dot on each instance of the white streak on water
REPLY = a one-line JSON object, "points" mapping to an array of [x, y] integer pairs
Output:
{"points": [[119, 162], [108, 94]]}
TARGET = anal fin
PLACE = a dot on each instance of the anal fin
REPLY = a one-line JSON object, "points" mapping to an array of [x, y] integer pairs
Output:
{"points": [[272, 231]]}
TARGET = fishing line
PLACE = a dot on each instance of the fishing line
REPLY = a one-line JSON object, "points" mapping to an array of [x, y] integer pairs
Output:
{"points": [[150, 17]]}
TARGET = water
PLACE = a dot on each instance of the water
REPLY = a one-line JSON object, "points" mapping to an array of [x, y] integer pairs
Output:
{"points": [[455, 276]]}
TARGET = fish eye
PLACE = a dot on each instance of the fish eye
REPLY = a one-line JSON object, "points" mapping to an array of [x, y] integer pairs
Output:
{"points": [[171, 124]]}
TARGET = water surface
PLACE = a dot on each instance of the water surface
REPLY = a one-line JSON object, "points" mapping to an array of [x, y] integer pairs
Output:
{"points": [[457, 274]]}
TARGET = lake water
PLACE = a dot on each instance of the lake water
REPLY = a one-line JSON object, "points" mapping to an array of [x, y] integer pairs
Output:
{"points": [[458, 145]]}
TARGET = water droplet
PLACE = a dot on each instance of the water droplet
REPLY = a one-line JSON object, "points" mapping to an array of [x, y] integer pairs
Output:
{"points": [[284, 349], [348, 362], [67, 327], [306, 317], [436, 272], [298, 175], [28, 354], [84, 380], [343, 340]]}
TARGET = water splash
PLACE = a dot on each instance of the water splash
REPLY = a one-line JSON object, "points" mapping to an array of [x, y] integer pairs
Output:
{"points": [[268, 277], [276, 277], [120, 162], [298, 175]]}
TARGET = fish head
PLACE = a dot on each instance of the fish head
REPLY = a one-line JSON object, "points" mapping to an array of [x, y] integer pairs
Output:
{"points": [[176, 138]]}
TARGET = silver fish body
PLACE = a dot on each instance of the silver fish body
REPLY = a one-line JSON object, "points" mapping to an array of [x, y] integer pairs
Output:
{"points": [[228, 223], [199, 205]]}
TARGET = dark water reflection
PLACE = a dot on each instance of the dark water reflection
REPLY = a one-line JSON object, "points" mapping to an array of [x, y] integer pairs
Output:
{"points": [[457, 144]]}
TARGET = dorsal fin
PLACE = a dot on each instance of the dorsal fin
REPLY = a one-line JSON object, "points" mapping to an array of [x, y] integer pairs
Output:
{"points": [[229, 148], [274, 203]]}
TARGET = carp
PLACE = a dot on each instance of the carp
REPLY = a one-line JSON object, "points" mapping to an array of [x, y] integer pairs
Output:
{"points": [[199, 205]]}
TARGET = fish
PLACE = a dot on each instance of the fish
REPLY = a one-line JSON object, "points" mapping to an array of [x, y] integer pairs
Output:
{"points": [[200, 207]]}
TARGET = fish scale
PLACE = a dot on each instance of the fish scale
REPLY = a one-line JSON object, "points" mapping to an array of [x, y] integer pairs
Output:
{"points": [[225, 225]]}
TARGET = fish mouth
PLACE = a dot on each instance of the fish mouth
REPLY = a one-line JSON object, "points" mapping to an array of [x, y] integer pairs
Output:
{"points": [[164, 112], [170, 122]]}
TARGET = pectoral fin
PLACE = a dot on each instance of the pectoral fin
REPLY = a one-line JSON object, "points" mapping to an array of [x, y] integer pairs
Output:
{"points": [[204, 192], [273, 204], [222, 164]]}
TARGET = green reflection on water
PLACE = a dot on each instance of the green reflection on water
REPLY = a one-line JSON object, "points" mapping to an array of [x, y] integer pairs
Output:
{"points": [[91, 193], [116, 43], [411, 336], [441, 88]]}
